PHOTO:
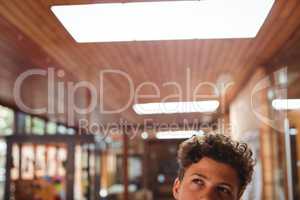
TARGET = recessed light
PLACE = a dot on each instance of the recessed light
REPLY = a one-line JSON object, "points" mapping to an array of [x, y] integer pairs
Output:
{"points": [[166, 20], [176, 107]]}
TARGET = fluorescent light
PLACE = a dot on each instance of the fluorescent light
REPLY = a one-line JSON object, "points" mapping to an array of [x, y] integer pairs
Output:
{"points": [[171, 20], [286, 104], [176, 107], [177, 134]]}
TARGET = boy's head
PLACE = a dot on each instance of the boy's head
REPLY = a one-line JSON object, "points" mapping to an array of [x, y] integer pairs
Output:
{"points": [[212, 166]]}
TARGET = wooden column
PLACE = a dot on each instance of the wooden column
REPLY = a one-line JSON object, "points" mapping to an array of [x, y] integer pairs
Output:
{"points": [[97, 183], [266, 146], [8, 167], [35, 160], [19, 128], [70, 171], [20, 160], [125, 165], [88, 169], [146, 158]]}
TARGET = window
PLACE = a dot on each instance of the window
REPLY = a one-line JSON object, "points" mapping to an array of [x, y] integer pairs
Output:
{"points": [[23, 123], [6, 121], [71, 131], [51, 128], [2, 160], [28, 119], [61, 129], [38, 126]]}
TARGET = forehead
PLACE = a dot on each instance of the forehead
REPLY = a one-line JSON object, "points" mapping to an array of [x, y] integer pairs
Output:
{"points": [[215, 171]]}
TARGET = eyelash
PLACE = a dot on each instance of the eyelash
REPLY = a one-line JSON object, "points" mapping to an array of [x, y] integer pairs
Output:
{"points": [[197, 181], [224, 190]]}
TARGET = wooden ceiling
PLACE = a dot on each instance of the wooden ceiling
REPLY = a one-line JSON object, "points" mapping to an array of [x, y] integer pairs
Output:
{"points": [[289, 56], [32, 37]]}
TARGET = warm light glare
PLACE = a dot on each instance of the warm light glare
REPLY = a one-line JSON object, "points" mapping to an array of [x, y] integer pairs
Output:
{"points": [[286, 104], [177, 134], [103, 193], [145, 135], [176, 107], [169, 20]]}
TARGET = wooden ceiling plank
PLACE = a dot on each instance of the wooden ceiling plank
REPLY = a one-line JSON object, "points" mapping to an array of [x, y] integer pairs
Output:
{"points": [[14, 14]]}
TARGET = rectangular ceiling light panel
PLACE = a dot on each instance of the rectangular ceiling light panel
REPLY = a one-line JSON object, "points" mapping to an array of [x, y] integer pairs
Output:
{"points": [[178, 134], [168, 20], [286, 104], [176, 107]]}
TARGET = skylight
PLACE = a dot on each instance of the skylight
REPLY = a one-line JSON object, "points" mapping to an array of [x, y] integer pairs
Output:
{"points": [[168, 20], [176, 107]]}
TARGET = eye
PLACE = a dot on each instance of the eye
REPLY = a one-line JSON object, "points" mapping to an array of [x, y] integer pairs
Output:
{"points": [[225, 191], [198, 181]]}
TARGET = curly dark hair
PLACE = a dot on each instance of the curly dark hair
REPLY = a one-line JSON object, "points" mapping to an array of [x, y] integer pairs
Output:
{"points": [[220, 148]]}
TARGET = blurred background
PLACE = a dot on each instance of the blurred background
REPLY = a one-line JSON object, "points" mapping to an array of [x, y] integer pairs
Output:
{"points": [[53, 146]]}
